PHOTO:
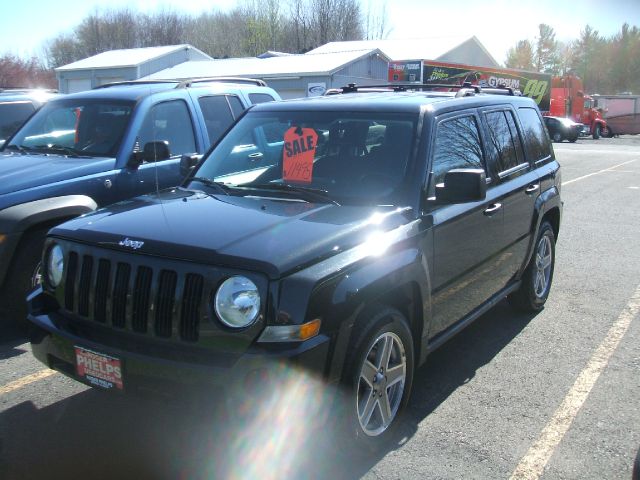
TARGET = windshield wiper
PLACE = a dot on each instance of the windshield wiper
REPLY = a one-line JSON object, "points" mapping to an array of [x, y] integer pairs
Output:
{"points": [[55, 148], [221, 187], [18, 148], [307, 193]]}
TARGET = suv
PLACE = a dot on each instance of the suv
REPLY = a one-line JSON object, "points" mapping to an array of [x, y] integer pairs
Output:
{"points": [[16, 105], [351, 235], [90, 149]]}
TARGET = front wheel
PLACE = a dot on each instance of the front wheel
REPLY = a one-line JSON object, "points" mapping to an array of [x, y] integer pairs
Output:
{"points": [[596, 131], [537, 278], [24, 274], [379, 376]]}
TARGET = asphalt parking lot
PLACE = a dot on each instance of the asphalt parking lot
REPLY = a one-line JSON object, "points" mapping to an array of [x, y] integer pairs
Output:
{"points": [[552, 396]]}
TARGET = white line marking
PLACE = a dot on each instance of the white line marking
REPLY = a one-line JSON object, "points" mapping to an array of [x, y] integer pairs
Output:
{"points": [[534, 462], [597, 173], [24, 381]]}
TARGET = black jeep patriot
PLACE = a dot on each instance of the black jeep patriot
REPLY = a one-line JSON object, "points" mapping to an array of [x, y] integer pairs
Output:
{"points": [[349, 235]]}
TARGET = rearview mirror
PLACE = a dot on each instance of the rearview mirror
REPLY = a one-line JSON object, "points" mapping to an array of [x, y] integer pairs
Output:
{"points": [[462, 185], [187, 162], [154, 151]]}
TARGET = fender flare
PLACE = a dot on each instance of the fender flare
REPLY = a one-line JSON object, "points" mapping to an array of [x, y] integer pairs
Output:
{"points": [[16, 220]]}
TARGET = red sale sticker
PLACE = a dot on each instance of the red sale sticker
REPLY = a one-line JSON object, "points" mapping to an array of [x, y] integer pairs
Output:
{"points": [[299, 150]]}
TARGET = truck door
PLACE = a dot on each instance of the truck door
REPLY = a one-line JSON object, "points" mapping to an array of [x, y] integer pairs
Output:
{"points": [[169, 121], [517, 186]]}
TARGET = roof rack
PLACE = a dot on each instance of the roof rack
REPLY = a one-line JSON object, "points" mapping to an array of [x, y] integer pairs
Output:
{"points": [[26, 90], [464, 90], [133, 82], [187, 82], [247, 81]]}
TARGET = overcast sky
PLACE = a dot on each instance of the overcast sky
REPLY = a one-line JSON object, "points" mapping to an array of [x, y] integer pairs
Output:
{"points": [[498, 24]]}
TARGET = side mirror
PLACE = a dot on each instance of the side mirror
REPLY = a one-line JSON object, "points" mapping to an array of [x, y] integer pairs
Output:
{"points": [[462, 185], [154, 151], [187, 162]]}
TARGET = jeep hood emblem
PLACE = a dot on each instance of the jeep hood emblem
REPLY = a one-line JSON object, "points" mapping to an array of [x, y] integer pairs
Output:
{"points": [[135, 244]]}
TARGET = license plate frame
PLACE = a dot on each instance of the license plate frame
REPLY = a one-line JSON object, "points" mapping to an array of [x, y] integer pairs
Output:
{"points": [[99, 369]]}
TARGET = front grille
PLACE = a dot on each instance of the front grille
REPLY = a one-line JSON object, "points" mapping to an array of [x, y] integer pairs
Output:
{"points": [[132, 296]]}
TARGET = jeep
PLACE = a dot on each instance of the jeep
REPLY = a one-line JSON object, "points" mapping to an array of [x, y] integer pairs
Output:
{"points": [[349, 235], [90, 149]]}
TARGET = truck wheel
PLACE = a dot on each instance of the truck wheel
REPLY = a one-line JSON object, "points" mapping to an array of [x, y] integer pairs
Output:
{"points": [[596, 132], [537, 278], [24, 274], [378, 377]]}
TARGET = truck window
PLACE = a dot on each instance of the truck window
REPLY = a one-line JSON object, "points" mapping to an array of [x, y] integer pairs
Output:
{"points": [[504, 144], [12, 115], [457, 145], [536, 142], [217, 115], [257, 98], [169, 121]]}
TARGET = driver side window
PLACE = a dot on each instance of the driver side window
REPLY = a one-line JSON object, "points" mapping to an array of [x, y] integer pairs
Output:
{"points": [[169, 121], [457, 145]]}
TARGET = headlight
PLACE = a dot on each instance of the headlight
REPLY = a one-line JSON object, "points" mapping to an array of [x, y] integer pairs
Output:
{"points": [[55, 265], [237, 302]]}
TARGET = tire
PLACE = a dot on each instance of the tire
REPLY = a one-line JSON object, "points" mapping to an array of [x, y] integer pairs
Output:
{"points": [[383, 329], [636, 467], [557, 137], [609, 133], [538, 276], [596, 132], [22, 277]]}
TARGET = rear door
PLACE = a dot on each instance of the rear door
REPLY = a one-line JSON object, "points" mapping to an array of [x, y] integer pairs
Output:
{"points": [[466, 236], [517, 187]]}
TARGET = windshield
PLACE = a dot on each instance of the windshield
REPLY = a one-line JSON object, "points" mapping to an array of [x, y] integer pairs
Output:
{"points": [[355, 158], [76, 127]]}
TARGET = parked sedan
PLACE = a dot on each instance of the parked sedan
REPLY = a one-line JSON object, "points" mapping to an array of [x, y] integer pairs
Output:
{"points": [[561, 128]]}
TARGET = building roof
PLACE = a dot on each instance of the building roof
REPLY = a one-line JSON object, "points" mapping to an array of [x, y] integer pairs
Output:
{"points": [[130, 57], [290, 65], [431, 48]]}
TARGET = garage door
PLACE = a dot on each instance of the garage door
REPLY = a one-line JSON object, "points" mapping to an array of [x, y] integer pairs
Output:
{"points": [[78, 85]]}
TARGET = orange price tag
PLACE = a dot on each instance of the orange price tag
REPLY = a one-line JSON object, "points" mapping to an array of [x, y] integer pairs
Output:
{"points": [[299, 150]]}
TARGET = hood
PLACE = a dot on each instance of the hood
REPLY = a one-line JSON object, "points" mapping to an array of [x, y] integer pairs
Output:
{"points": [[268, 235], [18, 171]]}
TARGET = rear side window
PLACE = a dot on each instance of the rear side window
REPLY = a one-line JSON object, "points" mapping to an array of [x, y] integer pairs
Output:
{"points": [[260, 98], [169, 121], [457, 145], [536, 141], [218, 114], [504, 143]]}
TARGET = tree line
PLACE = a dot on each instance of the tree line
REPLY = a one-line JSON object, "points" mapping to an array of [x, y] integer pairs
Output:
{"points": [[249, 29], [606, 65]]}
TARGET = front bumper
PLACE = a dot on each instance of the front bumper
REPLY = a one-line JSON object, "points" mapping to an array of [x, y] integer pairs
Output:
{"points": [[175, 373]]}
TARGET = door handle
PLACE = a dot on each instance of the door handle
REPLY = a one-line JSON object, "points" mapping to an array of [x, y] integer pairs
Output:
{"points": [[532, 188], [255, 156], [492, 209]]}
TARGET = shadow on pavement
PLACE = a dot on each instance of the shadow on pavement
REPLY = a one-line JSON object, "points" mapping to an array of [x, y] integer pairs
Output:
{"points": [[101, 435]]}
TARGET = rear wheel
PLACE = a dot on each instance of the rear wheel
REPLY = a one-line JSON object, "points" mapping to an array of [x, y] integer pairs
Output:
{"points": [[537, 278], [378, 375], [24, 274], [557, 137]]}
